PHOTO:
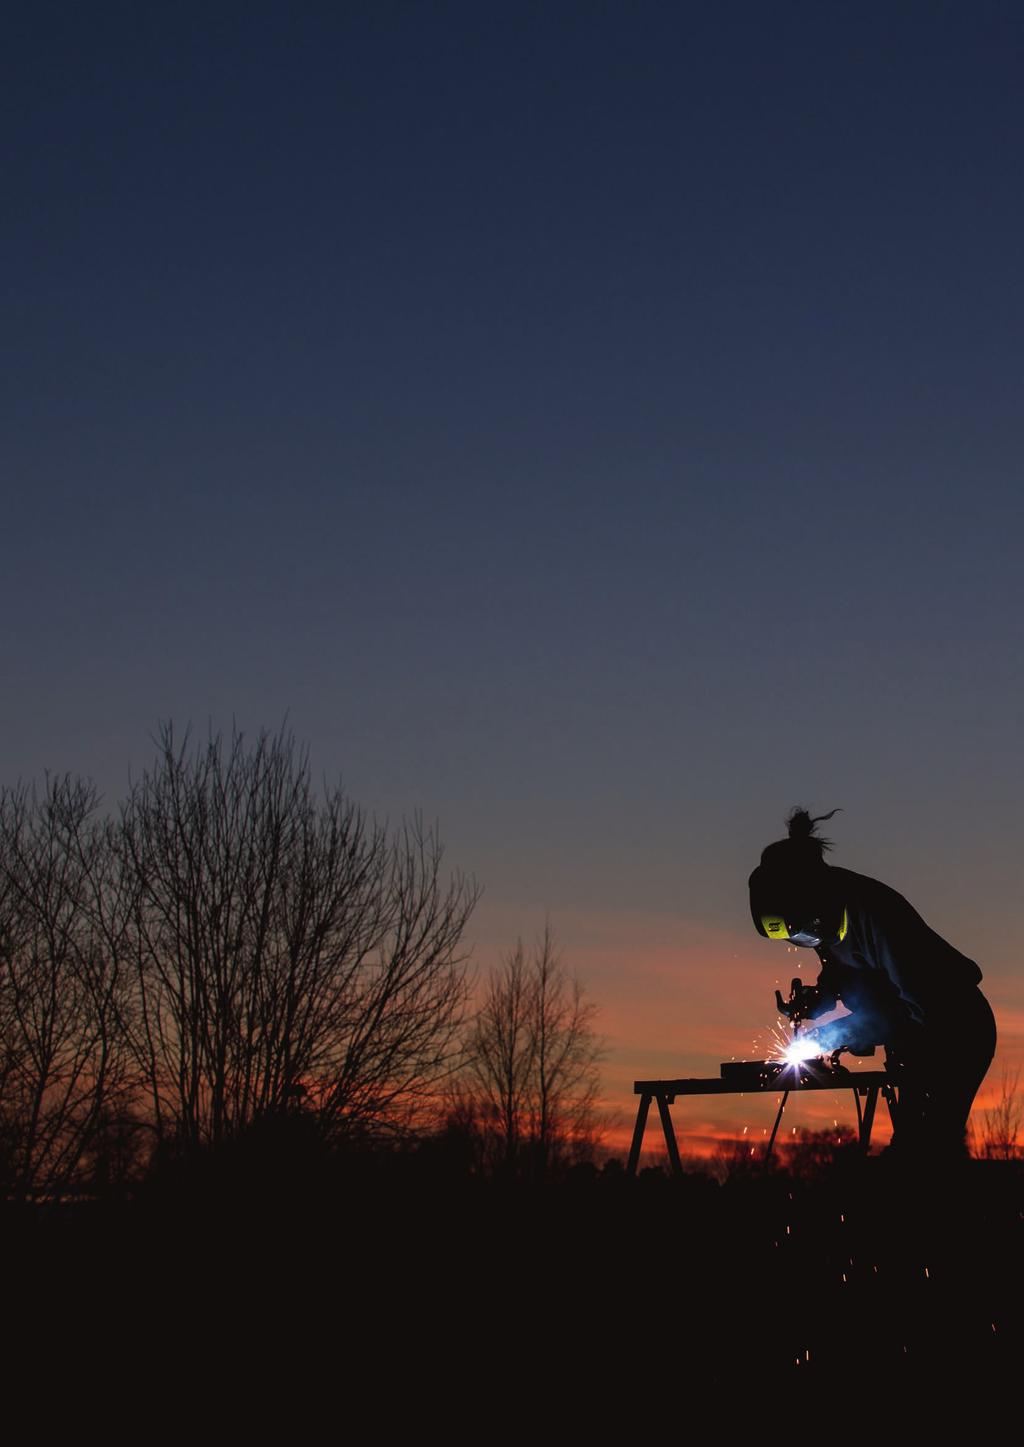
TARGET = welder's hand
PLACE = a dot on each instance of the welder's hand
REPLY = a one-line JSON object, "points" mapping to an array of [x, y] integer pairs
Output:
{"points": [[859, 1042], [804, 1002], [850, 1033]]}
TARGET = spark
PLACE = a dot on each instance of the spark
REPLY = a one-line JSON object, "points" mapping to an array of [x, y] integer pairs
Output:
{"points": [[800, 1050]]}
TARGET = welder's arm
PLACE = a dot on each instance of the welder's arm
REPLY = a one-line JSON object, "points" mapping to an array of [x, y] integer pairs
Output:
{"points": [[877, 1014], [857, 1033], [854, 1033], [828, 992]]}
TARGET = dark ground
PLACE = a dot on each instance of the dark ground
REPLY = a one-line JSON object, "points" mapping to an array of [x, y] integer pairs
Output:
{"points": [[409, 1287]]}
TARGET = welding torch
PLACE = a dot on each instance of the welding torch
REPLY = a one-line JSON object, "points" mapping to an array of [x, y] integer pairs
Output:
{"points": [[804, 1003]]}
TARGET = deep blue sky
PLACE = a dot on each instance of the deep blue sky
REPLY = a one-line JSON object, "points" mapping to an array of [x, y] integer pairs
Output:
{"points": [[597, 425]]}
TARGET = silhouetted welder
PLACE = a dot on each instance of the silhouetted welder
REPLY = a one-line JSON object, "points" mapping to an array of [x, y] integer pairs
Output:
{"points": [[906, 988]]}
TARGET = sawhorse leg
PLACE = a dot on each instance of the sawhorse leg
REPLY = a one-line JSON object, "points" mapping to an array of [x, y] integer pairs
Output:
{"points": [[775, 1127], [865, 1117], [892, 1100], [638, 1134], [667, 1129], [670, 1135], [866, 1120]]}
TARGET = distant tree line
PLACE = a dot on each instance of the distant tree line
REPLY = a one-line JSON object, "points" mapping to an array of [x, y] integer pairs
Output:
{"points": [[232, 955], [230, 946]]}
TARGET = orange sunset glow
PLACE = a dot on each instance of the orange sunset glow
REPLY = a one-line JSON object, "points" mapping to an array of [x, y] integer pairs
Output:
{"points": [[676, 1001]]}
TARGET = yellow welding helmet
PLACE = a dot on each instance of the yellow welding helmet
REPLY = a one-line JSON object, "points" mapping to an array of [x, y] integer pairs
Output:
{"points": [[808, 932], [802, 907]]}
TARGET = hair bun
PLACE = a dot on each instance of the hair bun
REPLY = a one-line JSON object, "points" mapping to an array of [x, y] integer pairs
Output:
{"points": [[801, 826]]}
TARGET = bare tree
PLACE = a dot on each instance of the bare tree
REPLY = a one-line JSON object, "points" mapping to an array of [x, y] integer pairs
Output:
{"points": [[566, 1054], [501, 1054], [284, 947], [1002, 1124], [64, 1067], [533, 1063]]}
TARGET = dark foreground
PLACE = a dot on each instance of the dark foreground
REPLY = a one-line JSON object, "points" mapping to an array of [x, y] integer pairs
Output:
{"points": [[405, 1291]]}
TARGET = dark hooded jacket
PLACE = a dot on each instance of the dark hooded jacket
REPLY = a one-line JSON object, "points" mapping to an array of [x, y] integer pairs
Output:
{"points": [[891, 966]]}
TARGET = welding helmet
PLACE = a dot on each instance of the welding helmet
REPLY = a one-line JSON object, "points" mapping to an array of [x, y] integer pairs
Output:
{"points": [[799, 908], [807, 931]]}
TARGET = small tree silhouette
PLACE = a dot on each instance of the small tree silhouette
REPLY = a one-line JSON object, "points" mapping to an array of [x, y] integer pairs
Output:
{"points": [[532, 1065], [1001, 1124]]}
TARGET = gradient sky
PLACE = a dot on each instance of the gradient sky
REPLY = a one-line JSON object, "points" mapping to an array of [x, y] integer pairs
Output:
{"points": [[598, 426]]}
